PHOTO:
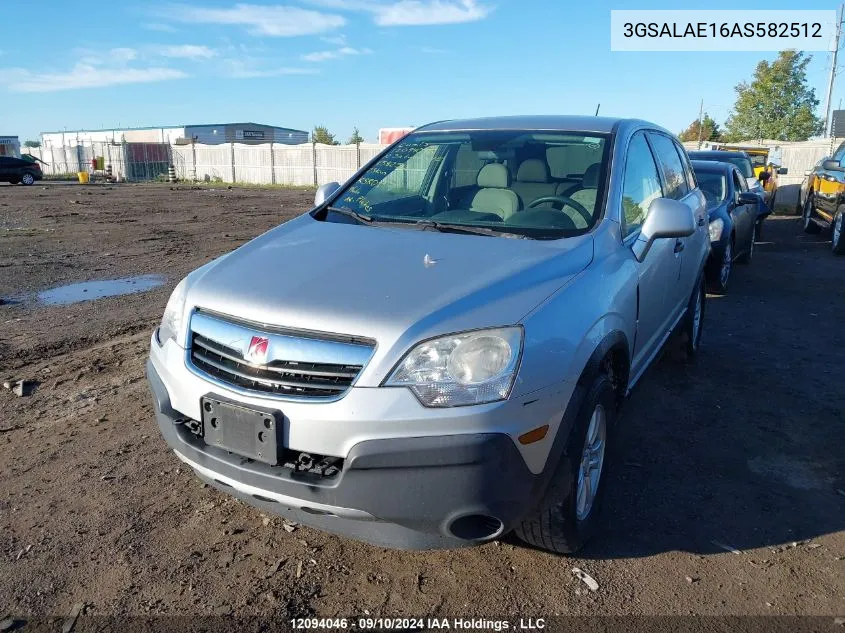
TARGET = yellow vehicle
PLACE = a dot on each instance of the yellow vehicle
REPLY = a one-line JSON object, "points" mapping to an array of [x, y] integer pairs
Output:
{"points": [[766, 168]]}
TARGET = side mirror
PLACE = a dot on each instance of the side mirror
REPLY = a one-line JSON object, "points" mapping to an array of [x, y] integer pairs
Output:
{"points": [[782, 171], [324, 192], [666, 218], [764, 177], [808, 172], [746, 197], [832, 165]]}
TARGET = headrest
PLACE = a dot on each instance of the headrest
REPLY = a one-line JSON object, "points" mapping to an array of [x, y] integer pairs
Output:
{"points": [[494, 175], [532, 170], [591, 176]]}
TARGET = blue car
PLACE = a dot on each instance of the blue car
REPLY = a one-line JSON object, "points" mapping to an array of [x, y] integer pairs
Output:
{"points": [[733, 217]]}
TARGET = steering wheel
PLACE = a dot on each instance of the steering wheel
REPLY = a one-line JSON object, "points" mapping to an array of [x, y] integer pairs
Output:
{"points": [[565, 201]]}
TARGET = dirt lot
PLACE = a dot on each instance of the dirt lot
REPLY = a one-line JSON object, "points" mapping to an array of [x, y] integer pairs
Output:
{"points": [[743, 449]]}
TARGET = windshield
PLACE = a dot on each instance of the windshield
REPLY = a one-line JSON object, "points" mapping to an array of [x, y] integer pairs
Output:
{"points": [[758, 160], [713, 186], [541, 185], [742, 163]]}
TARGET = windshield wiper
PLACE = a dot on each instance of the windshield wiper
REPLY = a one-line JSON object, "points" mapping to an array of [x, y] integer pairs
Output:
{"points": [[363, 219], [446, 227]]}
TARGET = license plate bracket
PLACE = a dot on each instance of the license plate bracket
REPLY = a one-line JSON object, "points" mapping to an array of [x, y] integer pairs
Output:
{"points": [[245, 431]]}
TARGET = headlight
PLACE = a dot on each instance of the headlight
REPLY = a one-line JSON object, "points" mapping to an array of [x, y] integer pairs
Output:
{"points": [[171, 322], [461, 369], [716, 228]]}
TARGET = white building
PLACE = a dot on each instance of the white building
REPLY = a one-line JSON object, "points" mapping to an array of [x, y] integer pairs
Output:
{"points": [[209, 134]]}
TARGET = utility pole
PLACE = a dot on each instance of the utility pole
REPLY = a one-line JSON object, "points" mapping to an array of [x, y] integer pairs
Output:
{"points": [[700, 119], [828, 123]]}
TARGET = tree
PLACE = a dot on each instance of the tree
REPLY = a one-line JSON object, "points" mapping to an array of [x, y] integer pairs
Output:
{"points": [[709, 130], [32, 144], [356, 137], [322, 135], [777, 104]]}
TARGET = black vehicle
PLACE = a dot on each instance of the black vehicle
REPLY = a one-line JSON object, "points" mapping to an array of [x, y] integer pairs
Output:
{"points": [[733, 219], [18, 170], [824, 206], [743, 163]]}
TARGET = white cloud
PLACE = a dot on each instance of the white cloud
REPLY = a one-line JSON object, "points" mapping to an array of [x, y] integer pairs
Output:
{"points": [[274, 20], [159, 26], [337, 40], [414, 12], [186, 51], [239, 69], [122, 55], [84, 75], [346, 51]]}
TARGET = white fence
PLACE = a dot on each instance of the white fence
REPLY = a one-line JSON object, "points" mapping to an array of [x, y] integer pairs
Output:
{"points": [[307, 165]]}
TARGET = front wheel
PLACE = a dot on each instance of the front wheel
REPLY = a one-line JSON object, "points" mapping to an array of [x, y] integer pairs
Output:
{"points": [[748, 256], [837, 241], [567, 516], [694, 320], [807, 220]]}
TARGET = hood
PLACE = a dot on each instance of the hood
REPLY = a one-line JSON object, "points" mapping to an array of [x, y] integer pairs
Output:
{"points": [[388, 284]]}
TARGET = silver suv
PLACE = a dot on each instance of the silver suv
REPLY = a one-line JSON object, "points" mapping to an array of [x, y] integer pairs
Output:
{"points": [[435, 354]]}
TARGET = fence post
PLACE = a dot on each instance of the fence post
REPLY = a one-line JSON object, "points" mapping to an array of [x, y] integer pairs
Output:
{"points": [[194, 159], [272, 165], [233, 162], [358, 153], [314, 159]]}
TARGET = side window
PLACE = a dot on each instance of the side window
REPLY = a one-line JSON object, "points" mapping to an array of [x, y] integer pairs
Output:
{"points": [[739, 182], [840, 153], [641, 184], [690, 174], [670, 163]]}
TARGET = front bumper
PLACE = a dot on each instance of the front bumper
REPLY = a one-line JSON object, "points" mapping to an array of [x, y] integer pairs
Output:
{"points": [[436, 491]]}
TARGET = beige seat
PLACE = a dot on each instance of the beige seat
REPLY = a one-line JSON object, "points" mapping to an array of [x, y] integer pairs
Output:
{"points": [[533, 182], [585, 194], [494, 195]]}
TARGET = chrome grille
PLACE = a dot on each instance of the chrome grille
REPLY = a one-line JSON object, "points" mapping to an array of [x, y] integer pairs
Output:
{"points": [[296, 366]]}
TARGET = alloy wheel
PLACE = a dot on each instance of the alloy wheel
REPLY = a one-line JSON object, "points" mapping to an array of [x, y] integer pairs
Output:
{"points": [[727, 262], [592, 461]]}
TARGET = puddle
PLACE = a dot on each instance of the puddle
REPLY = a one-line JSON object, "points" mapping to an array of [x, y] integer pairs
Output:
{"points": [[90, 290]]}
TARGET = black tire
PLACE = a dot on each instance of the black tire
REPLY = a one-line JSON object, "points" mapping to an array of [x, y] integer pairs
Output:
{"points": [[837, 239], [692, 333], [807, 218], [718, 272], [748, 256], [554, 525], [27, 179]]}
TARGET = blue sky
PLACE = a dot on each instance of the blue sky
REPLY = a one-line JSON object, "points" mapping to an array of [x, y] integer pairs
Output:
{"points": [[345, 63]]}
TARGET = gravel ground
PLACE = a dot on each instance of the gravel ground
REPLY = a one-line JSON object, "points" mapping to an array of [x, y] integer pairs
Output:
{"points": [[740, 451]]}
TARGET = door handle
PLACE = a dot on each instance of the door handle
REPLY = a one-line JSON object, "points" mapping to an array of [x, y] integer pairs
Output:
{"points": [[679, 246]]}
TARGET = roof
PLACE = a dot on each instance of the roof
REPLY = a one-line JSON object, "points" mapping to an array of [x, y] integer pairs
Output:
{"points": [[711, 165], [569, 123], [715, 152], [172, 127]]}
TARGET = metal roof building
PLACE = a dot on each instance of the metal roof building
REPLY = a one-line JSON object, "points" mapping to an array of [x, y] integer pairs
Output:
{"points": [[208, 134]]}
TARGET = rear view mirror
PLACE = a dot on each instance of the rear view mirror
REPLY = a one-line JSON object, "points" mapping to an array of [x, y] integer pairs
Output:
{"points": [[782, 171], [666, 218], [324, 192], [747, 197], [832, 165]]}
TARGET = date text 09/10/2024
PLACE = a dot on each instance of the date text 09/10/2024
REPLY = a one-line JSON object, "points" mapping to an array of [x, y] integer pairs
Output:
{"points": [[415, 624]]}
